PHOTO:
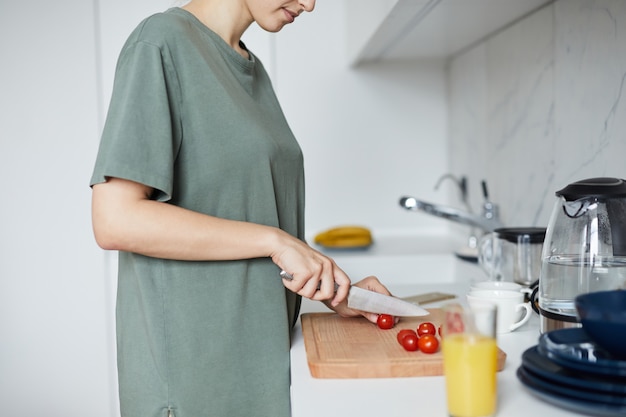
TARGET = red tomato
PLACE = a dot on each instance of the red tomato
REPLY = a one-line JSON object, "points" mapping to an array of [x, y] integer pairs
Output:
{"points": [[410, 342], [426, 328], [385, 321], [439, 331], [403, 333], [428, 343]]}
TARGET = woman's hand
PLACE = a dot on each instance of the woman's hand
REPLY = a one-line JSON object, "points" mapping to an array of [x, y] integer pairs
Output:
{"points": [[314, 275], [370, 283]]}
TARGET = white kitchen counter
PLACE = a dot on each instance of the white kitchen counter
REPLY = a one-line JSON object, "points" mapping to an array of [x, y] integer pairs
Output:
{"points": [[416, 396]]}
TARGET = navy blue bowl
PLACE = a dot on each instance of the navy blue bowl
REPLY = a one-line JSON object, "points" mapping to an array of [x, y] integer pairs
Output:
{"points": [[603, 316]]}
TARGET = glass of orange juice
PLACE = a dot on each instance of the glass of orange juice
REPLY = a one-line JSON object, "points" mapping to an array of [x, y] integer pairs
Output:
{"points": [[470, 357]]}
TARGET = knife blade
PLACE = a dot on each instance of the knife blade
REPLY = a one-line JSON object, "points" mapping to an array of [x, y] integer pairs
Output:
{"points": [[373, 302]]}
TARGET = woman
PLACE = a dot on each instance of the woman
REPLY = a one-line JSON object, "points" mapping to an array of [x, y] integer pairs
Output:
{"points": [[199, 185]]}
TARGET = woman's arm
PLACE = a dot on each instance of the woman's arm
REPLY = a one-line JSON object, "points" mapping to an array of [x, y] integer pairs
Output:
{"points": [[125, 218]]}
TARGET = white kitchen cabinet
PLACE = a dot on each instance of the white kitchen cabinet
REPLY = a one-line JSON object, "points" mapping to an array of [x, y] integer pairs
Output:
{"points": [[409, 29]]}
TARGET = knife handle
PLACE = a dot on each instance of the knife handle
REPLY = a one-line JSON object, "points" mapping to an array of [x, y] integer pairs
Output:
{"points": [[286, 275]]}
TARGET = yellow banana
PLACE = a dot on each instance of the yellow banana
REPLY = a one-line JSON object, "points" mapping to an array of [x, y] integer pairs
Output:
{"points": [[345, 237], [346, 242]]}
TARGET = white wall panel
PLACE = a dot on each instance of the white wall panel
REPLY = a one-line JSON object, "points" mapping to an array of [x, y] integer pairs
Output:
{"points": [[369, 135], [53, 354]]}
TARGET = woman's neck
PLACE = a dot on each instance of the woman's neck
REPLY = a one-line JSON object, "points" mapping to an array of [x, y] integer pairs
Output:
{"points": [[228, 18]]}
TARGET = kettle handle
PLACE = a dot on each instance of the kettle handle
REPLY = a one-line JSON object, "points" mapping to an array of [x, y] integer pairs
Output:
{"points": [[534, 297], [617, 219]]}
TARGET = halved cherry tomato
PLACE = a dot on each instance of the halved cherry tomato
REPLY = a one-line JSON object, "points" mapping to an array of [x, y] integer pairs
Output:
{"points": [[454, 323], [385, 321], [410, 342], [403, 333], [426, 328], [428, 343]]}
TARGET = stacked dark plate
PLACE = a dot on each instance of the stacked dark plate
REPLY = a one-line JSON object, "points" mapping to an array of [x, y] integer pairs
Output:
{"points": [[568, 370]]}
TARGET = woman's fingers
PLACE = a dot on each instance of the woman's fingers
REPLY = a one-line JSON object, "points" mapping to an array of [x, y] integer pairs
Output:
{"points": [[321, 283]]}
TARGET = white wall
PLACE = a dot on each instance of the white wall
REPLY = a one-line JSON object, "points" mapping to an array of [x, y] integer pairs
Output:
{"points": [[370, 135], [53, 349]]}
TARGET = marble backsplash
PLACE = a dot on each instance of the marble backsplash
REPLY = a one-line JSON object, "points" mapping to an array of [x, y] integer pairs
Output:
{"points": [[539, 105]]}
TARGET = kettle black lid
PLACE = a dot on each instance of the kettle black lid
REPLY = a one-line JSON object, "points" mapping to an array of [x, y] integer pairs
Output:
{"points": [[602, 187]]}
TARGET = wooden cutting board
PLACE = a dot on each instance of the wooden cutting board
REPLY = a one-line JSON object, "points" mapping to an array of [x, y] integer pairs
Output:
{"points": [[338, 347]]}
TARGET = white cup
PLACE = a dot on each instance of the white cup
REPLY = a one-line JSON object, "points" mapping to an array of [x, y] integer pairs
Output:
{"points": [[513, 312], [500, 285]]}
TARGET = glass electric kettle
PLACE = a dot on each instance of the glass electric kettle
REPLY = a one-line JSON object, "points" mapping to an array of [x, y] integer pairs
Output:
{"points": [[584, 249]]}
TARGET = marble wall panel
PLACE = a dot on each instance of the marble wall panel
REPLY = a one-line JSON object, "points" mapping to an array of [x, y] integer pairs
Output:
{"points": [[541, 104]]}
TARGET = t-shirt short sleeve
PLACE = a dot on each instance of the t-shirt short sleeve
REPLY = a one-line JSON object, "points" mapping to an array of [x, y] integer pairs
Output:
{"points": [[141, 135]]}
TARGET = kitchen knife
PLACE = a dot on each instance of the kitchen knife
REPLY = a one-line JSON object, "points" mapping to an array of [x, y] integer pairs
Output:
{"points": [[373, 302]]}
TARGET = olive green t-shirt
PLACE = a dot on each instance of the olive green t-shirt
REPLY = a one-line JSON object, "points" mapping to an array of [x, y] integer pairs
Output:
{"points": [[201, 125]]}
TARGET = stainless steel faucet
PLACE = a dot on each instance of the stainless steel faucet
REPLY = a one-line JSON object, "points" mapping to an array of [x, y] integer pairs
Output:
{"points": [[487, 221]]}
